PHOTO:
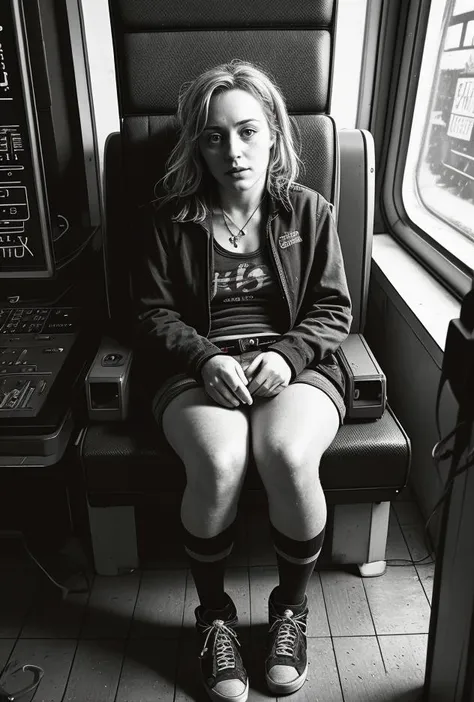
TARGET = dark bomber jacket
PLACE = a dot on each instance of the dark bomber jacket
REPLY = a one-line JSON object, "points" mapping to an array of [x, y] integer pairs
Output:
{"points": [[173, 291]]}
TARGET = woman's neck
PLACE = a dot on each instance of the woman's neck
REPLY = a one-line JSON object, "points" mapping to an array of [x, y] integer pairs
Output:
{"points": [[243, 203]]}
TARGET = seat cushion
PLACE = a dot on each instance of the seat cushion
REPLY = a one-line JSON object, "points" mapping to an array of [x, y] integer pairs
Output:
{"points": [[124, 463]]}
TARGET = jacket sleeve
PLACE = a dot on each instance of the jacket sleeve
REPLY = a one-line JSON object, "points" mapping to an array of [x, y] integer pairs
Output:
{"points": [[160, 330], [325, 317]]}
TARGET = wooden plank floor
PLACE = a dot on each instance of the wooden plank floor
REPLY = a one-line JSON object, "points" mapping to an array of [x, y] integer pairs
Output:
{"points": [[131, 639]]}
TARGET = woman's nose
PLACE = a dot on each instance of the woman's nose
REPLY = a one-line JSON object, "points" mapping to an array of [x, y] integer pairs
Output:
{"points": [[233, 147]]}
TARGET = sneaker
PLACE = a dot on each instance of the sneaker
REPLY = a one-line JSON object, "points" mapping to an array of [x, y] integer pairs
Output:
{"points": [[223, 673], [286, 665]]}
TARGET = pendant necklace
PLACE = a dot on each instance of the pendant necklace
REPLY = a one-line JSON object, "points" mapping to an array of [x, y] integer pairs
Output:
{"points": [[235, 238]]}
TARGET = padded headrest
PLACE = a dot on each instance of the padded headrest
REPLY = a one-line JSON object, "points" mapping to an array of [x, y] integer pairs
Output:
{"points": [[154, 70], [161, 45], [141, 15]]}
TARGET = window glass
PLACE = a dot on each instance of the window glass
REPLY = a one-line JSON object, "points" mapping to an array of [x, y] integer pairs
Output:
{"points": [[438, 185], [453, 36], [461, 6], [469, 35]]}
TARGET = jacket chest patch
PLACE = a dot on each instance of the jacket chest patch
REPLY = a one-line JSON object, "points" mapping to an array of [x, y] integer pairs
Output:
{"points": [[289, 238]]}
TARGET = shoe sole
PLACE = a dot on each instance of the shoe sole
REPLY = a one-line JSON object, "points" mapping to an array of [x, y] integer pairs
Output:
{"points": [[287, 688], [216, 697]]}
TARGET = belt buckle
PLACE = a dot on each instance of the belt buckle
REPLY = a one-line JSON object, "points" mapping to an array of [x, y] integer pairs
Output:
{"points": [[248, 344]]}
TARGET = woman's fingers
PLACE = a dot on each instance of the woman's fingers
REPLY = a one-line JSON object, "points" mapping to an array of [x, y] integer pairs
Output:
{"points": [[250, 370], [233, 379], [225, 382], [235, 388], [264, 380], [241, 388], [227, 385], [274, 390], [273, 371], [221, 395]]}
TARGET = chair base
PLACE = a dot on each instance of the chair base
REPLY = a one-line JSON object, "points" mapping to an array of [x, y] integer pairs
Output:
{"points": [[372, 570], [359, 536], [114, 539]]}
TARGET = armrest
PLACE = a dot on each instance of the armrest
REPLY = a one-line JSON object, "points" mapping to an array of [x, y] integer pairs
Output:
{"points": [[366, 385], [107, 382]]}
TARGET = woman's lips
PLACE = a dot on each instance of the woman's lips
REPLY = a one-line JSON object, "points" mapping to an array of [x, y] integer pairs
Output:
{"points": [[237, 173]]}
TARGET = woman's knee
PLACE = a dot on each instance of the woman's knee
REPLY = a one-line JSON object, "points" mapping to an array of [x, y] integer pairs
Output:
{"points": [[287, 466], [217, 474]]}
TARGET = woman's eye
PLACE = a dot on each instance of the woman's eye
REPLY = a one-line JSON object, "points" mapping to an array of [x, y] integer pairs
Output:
{"points": [[247, 133], [214, 138]]}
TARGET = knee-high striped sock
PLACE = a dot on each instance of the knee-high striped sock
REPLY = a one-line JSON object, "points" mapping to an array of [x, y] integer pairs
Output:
{"points": [[296, 561], [208, 559]]}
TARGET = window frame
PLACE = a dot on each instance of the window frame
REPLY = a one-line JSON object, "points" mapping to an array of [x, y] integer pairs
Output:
{"points": [[396, 58]]}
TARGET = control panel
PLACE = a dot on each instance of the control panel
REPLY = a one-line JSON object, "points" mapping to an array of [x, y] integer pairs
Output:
{"points": [[34, 346]]}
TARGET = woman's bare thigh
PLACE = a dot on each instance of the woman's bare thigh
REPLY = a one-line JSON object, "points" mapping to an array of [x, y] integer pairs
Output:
{"points": [[300, 418], [200, 430]]}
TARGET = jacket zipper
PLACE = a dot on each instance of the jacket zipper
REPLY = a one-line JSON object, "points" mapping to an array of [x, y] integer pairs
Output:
{"points": [[280, 272]]}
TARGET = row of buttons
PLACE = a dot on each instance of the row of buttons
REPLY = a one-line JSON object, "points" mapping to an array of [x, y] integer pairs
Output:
{"points": [[15, 313], [23, 369], [23, 328], [37, 320], [57, 349]]}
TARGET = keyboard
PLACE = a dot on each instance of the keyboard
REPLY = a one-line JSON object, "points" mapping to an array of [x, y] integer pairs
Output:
{"points": [[39, 320]]}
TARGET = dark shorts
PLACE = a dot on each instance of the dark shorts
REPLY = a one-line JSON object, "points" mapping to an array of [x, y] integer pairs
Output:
{"points": [[178, 384]]}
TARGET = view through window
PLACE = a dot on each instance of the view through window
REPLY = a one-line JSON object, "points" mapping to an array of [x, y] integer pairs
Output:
{"points": [[438, 188]]}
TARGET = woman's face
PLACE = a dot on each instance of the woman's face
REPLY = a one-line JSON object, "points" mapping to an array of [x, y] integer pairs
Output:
{"points": [[236, 142]]}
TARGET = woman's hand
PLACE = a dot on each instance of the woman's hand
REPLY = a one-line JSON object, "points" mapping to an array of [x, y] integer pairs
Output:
{"points": [[268, 374], [225, 381]]}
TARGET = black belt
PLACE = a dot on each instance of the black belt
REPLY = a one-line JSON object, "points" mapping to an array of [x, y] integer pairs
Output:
{"points": [[245, 343]]}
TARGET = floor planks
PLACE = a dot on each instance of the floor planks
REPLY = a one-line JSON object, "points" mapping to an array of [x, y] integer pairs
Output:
{"points": [[131, 639]]}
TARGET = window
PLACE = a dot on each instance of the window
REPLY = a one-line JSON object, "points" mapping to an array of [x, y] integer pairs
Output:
{"points": [[438, 182]]}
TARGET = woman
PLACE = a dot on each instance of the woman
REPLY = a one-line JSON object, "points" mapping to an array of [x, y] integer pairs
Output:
{"points": [[243, 302]]}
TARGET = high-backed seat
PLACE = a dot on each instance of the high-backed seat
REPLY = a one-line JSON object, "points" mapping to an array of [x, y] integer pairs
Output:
{"points": [[158, 46]]}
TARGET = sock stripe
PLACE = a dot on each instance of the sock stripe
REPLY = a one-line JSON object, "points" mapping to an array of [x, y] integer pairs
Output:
{"points": [[209, 549], [301, 550], [297, 561], [209, 558]]}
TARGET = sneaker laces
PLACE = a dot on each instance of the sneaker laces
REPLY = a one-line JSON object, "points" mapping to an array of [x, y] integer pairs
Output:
{"points": [[223, 648], [289, 627]]}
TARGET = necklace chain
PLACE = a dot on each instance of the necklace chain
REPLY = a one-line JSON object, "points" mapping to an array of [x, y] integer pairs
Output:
{"points": [[235, 238]]}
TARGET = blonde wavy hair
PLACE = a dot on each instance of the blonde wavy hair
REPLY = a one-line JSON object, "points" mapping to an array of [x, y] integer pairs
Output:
{"points": [[187, 179]]}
